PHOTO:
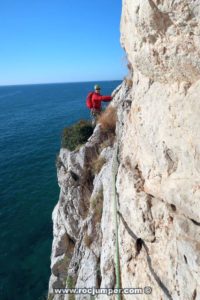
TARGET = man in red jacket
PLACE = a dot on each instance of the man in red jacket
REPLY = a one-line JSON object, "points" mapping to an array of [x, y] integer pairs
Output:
{"points": [[96, 103]]}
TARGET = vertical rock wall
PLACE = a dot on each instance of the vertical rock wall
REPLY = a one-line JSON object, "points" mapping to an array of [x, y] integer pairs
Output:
{"points": [[158, 179], [159, 175]]}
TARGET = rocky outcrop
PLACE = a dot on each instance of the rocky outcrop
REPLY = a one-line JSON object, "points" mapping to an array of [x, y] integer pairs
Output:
{"points": [[84, 234], [158, 175]]}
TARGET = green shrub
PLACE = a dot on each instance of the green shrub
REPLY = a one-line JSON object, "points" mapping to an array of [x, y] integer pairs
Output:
{"points": [[76, 135]]}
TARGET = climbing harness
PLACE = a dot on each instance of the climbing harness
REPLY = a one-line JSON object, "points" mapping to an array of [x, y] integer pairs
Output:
{"points": [[117, 264]]}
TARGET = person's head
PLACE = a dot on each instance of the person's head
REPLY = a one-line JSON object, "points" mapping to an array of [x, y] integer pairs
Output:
{"points": [[97, 88]]}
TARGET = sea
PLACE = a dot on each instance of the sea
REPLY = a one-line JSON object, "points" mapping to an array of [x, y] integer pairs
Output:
{"points": [[32, 118]]}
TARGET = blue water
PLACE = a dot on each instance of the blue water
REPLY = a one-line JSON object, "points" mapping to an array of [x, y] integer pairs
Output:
{"points": [[32, 118]]}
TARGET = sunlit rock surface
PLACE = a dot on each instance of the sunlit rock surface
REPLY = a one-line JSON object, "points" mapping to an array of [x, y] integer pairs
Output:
{"points": [[158, 175]]}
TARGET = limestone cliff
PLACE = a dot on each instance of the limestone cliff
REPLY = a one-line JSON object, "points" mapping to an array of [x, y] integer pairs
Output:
{"points": [[158, 177]]}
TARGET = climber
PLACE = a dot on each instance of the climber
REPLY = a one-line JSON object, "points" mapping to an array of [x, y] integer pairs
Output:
{"points": [[93, 102]]}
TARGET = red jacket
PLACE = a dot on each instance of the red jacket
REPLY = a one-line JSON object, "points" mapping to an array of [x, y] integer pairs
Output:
{"points": [[97, 98]]}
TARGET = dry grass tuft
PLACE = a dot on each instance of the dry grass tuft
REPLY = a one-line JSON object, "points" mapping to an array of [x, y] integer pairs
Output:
{"points": [[87, 240], [108, 119], [129, 82], [108, 142], [98, 164], [97, 206]]}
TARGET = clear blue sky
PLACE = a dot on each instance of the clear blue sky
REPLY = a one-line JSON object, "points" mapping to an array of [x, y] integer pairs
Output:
{"points": [[60, 41]]}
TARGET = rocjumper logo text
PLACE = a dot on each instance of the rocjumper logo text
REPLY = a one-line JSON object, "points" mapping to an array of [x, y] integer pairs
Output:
{"points": [[94, 291]]}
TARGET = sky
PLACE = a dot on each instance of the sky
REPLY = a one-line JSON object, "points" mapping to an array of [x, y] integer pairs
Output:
{"points": [[46, 41]]}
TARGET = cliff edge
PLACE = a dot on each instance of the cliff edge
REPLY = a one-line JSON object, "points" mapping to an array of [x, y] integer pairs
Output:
{"points": [[157, 141]]}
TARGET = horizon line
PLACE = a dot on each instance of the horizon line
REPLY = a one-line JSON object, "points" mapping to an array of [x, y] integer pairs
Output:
{"points": [[22, 84]]}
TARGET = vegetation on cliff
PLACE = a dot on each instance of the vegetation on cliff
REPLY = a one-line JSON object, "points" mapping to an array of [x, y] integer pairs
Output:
{"points": [[76, 135]]}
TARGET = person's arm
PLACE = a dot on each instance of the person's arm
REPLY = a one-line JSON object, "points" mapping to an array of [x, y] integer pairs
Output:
{"points": [[106, 98]]}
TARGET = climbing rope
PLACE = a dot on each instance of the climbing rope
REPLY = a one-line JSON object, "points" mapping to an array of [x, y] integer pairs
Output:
{"points": [[117, 264]]}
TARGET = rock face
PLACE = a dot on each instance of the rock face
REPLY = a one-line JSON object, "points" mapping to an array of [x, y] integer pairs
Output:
{"points": [[158, 172], [161, 38]]}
